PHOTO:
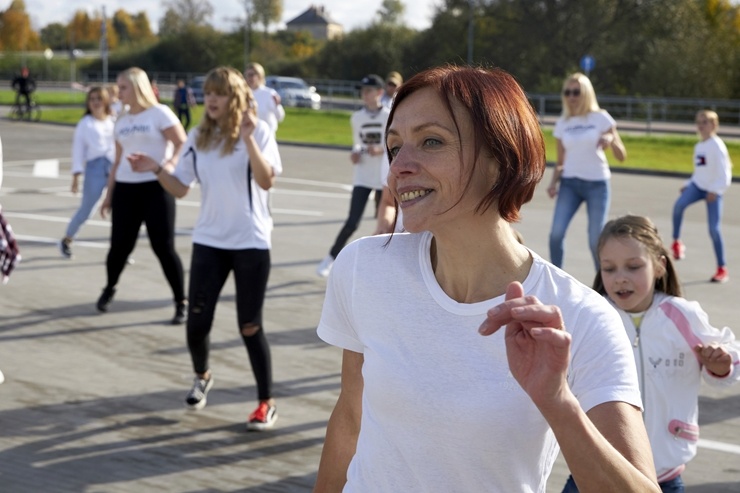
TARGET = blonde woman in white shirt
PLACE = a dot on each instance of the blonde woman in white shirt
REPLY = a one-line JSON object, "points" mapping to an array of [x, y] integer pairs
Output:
{"points": [[93, 152], [150, 129], [269, 106], [234, 157], [583, 133]]}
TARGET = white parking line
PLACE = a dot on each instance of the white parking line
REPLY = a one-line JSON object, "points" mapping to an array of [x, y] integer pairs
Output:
{"points": [[719, 446]]}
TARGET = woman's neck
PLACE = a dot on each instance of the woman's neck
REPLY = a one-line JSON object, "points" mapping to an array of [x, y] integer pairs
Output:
{"points": [[476, 268]]}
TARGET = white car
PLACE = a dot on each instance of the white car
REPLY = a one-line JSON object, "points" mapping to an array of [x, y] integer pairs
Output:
{"points": [[294, 91]]}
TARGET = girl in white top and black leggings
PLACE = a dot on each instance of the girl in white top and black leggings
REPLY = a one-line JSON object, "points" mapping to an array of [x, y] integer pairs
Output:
{"points": [[146, 129], [234, 157]]}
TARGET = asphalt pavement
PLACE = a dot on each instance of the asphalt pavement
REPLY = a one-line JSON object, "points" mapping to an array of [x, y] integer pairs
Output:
{"points": [[94, 402]]}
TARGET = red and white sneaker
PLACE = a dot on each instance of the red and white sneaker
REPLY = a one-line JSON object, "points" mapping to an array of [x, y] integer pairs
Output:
{"points": [[721, 275], [678, 249], [263, 418]]}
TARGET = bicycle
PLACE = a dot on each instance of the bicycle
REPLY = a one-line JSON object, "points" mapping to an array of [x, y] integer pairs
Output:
{"points": [[27, 112]]}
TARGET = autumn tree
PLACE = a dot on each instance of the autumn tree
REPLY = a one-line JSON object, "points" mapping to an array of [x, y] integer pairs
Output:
{"points": [[15, 29]]}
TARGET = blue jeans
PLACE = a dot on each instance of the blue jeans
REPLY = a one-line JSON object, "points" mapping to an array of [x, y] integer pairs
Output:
{"points": [[96, 179], [572, 192], [692, 194], [675, 485]]}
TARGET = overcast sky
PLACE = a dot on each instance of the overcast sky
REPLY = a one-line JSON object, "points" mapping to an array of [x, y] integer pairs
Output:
{"points": [[350, 13]]}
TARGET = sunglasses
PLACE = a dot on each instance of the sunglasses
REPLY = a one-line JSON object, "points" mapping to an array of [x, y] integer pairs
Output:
{"points": [[572, 92]]}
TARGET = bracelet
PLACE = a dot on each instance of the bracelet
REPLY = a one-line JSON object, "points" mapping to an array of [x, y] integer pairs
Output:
{"points": [[159, 170]]}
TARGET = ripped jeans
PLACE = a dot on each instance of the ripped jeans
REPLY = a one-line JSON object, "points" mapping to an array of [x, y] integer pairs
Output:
{"points": [[208, 272]]}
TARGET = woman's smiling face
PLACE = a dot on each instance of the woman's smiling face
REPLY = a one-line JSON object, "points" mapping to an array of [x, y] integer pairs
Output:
{"points": [[431, 162]]}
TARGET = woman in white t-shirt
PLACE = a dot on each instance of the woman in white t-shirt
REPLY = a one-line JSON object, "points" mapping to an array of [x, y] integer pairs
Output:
{"points": [[93, 152], [146, 128], [269, 107], [234, 157], [467, 359], [583, 132]]}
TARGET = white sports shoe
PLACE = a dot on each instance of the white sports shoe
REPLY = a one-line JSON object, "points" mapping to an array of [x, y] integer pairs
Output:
{"points": [[2, 377], [325, 266]]}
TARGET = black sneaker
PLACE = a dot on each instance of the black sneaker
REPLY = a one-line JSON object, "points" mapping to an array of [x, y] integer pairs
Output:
{"points": [[181, 312], [105, 299], [196, 398], [64, 248]]}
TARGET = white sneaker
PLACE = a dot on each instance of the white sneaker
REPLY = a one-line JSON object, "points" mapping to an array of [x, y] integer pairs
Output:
{"points": [[2, 377], [325, 266]]}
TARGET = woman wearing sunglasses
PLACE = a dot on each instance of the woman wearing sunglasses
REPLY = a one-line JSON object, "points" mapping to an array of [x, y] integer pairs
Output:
{"points": [[583, 132]]}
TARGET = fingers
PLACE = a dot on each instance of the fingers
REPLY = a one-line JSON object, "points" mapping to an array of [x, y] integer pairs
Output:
{"points": [[711, 353], [525, 310]]}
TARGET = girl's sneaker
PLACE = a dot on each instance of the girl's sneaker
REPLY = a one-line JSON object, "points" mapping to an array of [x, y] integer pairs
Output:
{"points": [[721, 275], [678, 249], [263, 418], [196, 398]]}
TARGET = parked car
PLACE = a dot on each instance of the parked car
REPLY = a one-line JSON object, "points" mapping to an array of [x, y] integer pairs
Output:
{"points": [[294, 91], [196, 84]]}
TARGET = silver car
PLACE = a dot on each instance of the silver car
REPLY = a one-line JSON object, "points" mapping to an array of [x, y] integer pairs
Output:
{"points": [[294, 91]]}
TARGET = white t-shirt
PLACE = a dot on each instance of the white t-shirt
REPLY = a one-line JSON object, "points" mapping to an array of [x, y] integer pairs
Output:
{"points": [[233, 216], [368, 128], [267, 110], [142, 132], [580, 136], [712, 166], [441, 411], [93, 138]]}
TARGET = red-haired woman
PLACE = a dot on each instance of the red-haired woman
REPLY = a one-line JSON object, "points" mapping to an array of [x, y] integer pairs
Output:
{"points": [[477, 357]]}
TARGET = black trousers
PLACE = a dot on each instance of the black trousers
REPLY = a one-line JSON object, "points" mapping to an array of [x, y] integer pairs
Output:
{"points": [[209, 269], [136, 203], [360, 196]]}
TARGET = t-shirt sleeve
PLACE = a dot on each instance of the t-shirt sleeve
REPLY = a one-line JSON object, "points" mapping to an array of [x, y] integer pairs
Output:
{"points": [[559, 129], [602, 362], [185, 169], [268, 145], [166, 118], [606, 121], [335, 326]]}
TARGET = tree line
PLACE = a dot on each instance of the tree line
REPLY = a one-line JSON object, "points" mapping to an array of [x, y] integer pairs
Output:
{"points": [[664, 48]]}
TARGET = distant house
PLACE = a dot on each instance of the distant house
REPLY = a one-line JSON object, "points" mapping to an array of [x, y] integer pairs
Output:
{"points": [[317, 21]]}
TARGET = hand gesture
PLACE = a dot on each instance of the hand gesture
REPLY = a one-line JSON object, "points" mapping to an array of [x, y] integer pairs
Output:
{"points": [[249, 123], [552, 191], [605, 141], [537, 346], [716, 358], [141, 162]]}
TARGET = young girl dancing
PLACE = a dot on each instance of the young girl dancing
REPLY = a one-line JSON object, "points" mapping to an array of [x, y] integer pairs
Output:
{"points": [[674, 344]]}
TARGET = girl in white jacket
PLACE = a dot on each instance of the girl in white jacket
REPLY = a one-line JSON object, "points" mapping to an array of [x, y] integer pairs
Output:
{"points": [[675, 346]]}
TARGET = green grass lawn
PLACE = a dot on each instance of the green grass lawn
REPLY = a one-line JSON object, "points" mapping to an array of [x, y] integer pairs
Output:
{"points": [[664, 153]]}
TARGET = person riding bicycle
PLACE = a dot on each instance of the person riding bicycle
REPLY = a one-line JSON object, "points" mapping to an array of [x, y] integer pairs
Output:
{"points": [[24, 85]]}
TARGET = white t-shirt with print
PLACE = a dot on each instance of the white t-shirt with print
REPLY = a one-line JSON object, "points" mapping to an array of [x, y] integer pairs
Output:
{"points": [[580, 136], [441, 411], [368, 128], [233, 215], [142, 132]]}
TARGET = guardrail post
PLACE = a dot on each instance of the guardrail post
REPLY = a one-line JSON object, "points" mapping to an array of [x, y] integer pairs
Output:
{"points": [[649, 116]]}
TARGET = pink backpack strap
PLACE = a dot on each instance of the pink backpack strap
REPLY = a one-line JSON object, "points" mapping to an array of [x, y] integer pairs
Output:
{"points": [[682, 324]]}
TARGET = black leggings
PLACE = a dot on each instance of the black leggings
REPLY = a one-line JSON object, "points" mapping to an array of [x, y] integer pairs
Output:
{"points": [[148, 203], [357, 204], [209, 269]]}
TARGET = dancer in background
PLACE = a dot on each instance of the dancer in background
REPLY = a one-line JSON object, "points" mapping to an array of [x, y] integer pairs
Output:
{"points": [[151, 129], [234, 157], [583, 133], [93, 152], [674, 344], [269, 107], [711, 179]]}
